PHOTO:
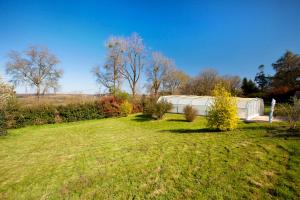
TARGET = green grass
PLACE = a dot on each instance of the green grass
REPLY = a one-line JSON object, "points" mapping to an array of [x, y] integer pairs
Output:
{"points": [[137, 158]]}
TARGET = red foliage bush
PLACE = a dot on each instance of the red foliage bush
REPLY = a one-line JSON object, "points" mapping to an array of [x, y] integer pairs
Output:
{"points": [[109, 106]]}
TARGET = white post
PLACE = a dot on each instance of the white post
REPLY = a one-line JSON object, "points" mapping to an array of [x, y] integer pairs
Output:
{"points": [[273, 102]]}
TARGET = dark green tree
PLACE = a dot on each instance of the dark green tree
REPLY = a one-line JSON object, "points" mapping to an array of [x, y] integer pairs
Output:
{"points": [[261, 79], [248, 87], [287, 71]]}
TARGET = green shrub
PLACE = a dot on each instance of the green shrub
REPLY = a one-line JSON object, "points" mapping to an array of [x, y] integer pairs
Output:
{"points": [[77, 112], [121, 95], [149, 106], [190, 113], [161, 108], [222, 115], [125, 108]]}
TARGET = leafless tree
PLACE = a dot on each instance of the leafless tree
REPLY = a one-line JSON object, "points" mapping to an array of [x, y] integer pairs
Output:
{"points": [[109, 76], [35, 67], [134, 61], [157, 71], [174, 81], [205, 82], [232, 84]]}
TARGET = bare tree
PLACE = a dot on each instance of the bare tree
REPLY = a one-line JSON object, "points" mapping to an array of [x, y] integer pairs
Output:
{"points": [[174, 81], [232, 84], [109, 76], [35, 67], [205, 82], [134, 61], [157, 71]]}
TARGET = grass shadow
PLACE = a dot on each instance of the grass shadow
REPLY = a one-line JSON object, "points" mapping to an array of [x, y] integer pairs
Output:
{"points": [[191, 131], [176, 120], [274, 131], [142, 118]]}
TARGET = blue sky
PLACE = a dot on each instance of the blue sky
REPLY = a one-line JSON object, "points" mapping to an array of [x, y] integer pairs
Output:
{"points": [[234, 37]]}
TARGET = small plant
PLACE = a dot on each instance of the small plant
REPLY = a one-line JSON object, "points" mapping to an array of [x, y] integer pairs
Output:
{"points": [[190, 113], [222, 115], [156, 109], [126, 108], [291, 112], [148, 106], [161, 108]]}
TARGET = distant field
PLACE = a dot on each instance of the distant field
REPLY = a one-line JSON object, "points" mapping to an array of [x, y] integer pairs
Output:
{"points": [[138, 158], [58, 99]]}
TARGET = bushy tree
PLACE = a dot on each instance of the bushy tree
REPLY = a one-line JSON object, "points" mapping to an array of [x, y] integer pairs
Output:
{"points": [[287, 71], [222, 115]]}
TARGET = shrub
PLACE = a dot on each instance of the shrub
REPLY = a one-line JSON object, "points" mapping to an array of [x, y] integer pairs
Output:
{"points": [[2, 122], [109, 106], [125, 108], [291, 111], [77, 112], [121, 95], [161, 108], [190, 113], [222, 115], [149, 106], [6, 94]]}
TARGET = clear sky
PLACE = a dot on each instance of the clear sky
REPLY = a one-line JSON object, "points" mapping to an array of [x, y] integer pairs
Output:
{"points": [[234, 37]]}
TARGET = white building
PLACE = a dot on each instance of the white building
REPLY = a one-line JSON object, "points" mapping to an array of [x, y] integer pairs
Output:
{"points": [[247, 107]]}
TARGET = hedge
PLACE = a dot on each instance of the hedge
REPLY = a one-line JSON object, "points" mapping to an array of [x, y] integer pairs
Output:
{"points": [[16, 116]]}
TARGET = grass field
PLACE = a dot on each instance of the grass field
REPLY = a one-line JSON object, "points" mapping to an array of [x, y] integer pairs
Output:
{"points": [[137, 158]]}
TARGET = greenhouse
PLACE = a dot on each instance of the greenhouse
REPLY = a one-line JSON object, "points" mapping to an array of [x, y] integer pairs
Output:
{"points": [[247, 107]]}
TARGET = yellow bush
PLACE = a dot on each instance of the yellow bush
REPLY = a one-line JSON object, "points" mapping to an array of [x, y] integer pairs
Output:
{"points": [[222, 115], [126, 108]]}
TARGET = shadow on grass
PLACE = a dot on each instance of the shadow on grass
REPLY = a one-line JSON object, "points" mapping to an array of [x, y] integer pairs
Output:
{"points": [[274, 130], [142, 118], [191, 131], [176, 120]]}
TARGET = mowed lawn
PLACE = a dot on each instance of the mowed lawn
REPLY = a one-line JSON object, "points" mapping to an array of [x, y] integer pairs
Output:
{"points": [[138, 158]]}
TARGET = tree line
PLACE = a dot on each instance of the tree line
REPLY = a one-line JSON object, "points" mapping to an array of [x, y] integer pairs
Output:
{"points": [[129, 60]]}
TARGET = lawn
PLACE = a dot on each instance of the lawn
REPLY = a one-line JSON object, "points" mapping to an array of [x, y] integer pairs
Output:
{"points": [[138, 158]]}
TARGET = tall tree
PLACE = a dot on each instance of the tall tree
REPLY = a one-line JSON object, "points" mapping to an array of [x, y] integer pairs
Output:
{"points": [[287, 71], [109, 76], [35, 67], [134, 55], [261, 79], [157, 71]]}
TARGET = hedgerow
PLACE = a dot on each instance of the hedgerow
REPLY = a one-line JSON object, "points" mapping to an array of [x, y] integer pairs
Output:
{"points": [[16, 115]]}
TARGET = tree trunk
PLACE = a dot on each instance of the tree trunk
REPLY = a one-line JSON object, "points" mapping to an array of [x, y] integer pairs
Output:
{"points": [[38, 92]]}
